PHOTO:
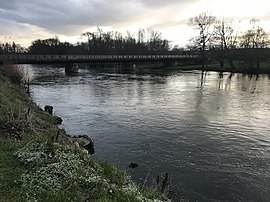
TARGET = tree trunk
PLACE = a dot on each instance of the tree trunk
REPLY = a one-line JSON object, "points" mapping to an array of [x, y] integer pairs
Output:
{"points": [[230, 59], [258, 59], [203, 56], [221, 62]]}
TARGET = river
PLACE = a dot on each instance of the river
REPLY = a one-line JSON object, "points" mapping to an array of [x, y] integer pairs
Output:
{"points": [[212, 136]]}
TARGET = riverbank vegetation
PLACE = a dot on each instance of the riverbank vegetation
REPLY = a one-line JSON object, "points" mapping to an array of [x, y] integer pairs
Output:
{"points": [[40, 162], [219, 41]]}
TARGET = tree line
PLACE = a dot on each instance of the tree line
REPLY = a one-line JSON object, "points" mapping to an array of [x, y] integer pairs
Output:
{"points": [[217, 39], [145, 41], [97, 42], [6, 48]]}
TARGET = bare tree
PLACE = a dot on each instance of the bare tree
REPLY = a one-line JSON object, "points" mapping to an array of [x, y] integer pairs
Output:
{"points": [[204, 23], [155, 40], [253, 40], [141, 36], [255, 37], [227, 37], [113, 42]]}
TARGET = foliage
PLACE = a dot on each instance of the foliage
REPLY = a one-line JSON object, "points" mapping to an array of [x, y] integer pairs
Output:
{"points": [[50, 46], [100, 42], [11, 48]]}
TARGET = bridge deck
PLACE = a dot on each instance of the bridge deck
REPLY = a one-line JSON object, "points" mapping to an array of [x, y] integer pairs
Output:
{"points": [[31, 59]]}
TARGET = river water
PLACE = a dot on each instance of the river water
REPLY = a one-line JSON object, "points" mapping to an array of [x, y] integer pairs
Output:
{"points": [[212, 136]]}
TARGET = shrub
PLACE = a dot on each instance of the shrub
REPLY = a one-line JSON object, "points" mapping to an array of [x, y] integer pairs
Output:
{"points": [[13, 73], [17, 74]]}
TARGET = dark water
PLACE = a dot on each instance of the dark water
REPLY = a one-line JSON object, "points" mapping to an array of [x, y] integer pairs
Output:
{"points": [[212, 138]]}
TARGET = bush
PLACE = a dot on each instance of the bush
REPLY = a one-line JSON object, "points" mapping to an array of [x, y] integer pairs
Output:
{"points": [[13, 73], [17, 74]]}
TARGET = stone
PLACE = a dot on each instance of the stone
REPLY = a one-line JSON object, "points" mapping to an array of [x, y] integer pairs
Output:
{"points": [[72, 68], [78, 148], [133, 165], [48, 109], [59, 120], [85, 142]]}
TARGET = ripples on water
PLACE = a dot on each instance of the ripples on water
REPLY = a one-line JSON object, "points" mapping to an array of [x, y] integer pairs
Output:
{"points": [[213, 139]]}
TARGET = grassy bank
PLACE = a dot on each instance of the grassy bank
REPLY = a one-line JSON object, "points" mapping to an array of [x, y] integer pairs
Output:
{"points": [[239, 68], [40, 162]]}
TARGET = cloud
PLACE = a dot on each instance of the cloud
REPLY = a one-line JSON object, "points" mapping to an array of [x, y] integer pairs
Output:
{"points": [[66, 16], [162, 3], [7, 4], [73, 17], [69, 16], [157, 3]]}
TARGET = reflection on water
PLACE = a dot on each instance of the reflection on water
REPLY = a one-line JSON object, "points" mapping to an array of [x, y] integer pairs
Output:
{"points": [[213, 139]]}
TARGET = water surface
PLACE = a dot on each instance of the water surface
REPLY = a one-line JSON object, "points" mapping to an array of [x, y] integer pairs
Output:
{"points": [[211, 136]]}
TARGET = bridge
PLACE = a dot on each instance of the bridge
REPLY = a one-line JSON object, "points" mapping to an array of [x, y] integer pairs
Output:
{"points": [[65, 59], [71, 61]]}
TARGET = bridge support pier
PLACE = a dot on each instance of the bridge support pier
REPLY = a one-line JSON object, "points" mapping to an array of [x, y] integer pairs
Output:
{"points": [[171, 63], [71, 68]]}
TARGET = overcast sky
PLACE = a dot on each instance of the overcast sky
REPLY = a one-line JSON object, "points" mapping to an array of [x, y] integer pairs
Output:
{"points": [[23, 21]]}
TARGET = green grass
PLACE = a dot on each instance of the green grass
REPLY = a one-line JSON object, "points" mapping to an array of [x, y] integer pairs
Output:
{"points": [[11, 170]]}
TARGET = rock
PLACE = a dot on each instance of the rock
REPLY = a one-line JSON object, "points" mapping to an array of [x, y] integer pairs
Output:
{"points": [[133, 165], [48, 109], [58, 119], [78, 148], [72, 68], [85, 142]]}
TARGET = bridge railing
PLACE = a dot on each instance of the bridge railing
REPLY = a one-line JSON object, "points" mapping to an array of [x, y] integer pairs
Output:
{"points": [[32, 58]]}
